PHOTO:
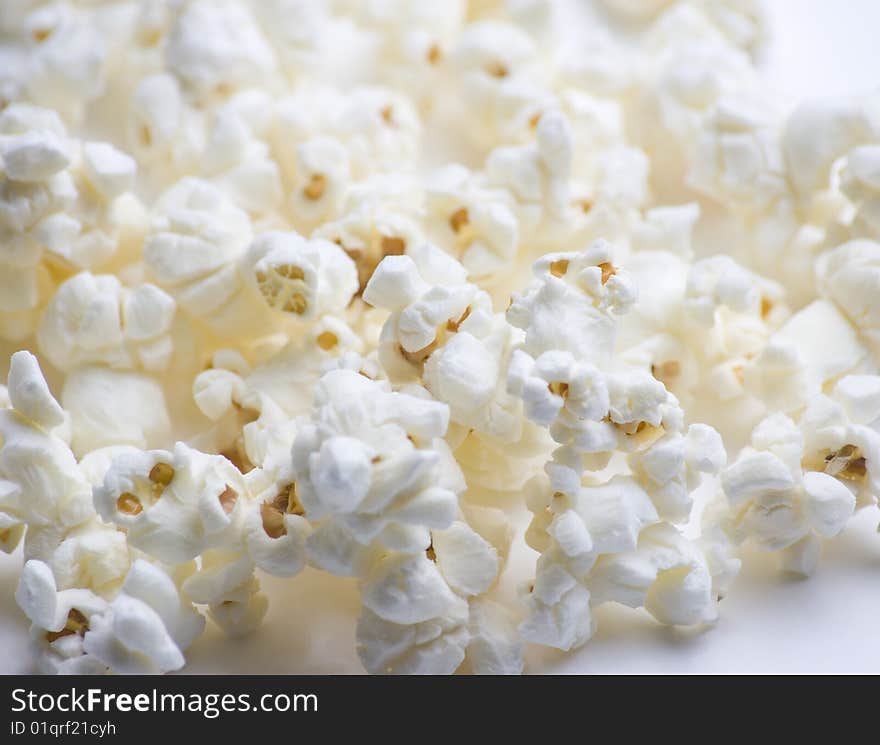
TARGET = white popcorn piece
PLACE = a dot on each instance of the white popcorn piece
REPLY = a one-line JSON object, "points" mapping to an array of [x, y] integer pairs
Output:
{"points": [[796, 484], [412, 622], [305, 278], [225, 582], [469, 220], [495, 647], [687, 66], [237, 160], [443, 332], [739, 160], [558, 610], [848, 275], [424, 613], [323, 174], [570, 304], [253, 409], [90, 555], [556, 382], [65, 60], [143, 630], [378, 220], [33, 156], [94, 320], [433, 647], [115, 407], [174, 505], [29, 394], [860, 182], [215, 47], [194, 250], [817, 133], [50, 214], [378, 126], [468, 562], [841, 444], [109, 170], [826, 342], [500, 72], [667, 574], [372, 465], [146, 627], [537, 174], [164, 133], [294, 28], [703, 333], [277, 532], [40, 484], [860, 397], [670, 468], [59, 621]]}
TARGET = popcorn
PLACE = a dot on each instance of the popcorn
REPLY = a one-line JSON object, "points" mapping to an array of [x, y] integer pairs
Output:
{"points": [[353, 311], [495, 647], [173, 505], [277, 532], [499, 68], [34, 157], [447, 335], [163, 130], [577, 293], [300, 277], [54, 210], [372, 463], [537, 174], [109, 170], [194, 249], [827, 345], [215, 47], [294, 29], [143, 630], [797, 483], [90, 555], [65, 65], [225, 583], [817, 133], [848, 275], [40, 483], [859, 182], [59, 621], [670, 468], [321, 182], [604, 543], [556, 382], [416, 617], [128, 638], [378, 127], [112, 407], [472, 221], [377, 223], [237, 161], [94, 320]]}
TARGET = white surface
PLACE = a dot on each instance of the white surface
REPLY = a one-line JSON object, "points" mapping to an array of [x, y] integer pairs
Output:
{"points": [[769, 623]]}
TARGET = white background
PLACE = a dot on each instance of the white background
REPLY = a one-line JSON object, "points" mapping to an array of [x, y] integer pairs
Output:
{"points": [[769, 623]]}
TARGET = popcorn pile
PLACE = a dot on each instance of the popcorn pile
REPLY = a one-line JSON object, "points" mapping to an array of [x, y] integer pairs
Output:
{"points": [[355, 311]]}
